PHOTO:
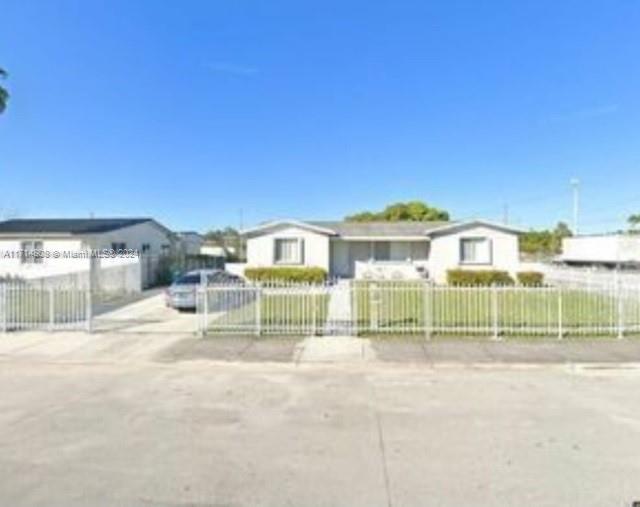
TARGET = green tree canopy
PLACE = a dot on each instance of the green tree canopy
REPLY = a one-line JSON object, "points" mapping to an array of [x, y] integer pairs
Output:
{"points": [[4, 94], [413, 211], [544, 242], [634, 222]]}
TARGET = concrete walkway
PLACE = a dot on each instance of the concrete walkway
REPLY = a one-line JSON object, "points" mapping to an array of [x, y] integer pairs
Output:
{"points": [[339, 311]]}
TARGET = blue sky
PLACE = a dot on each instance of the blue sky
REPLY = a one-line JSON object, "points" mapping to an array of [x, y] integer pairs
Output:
{"points": [[193, 111]]}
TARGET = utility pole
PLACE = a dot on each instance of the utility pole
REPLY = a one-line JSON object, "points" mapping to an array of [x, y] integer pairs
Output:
{"points": [[575, 185], [505, 214]]}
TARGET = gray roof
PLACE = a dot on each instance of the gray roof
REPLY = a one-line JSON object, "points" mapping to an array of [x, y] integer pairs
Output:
{"points": [[67, 225], [378, 229]]}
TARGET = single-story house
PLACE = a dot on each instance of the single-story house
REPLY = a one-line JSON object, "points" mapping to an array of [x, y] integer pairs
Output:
{"points": [[602, 250], [49, 248], [384, 249]]}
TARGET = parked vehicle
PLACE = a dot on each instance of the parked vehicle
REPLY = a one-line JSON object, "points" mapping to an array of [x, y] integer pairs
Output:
{"points": [[181, 294]]}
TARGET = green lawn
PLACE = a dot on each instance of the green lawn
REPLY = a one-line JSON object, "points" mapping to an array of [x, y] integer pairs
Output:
{"points": [[302, 313], [414, 308], [408, 308]]}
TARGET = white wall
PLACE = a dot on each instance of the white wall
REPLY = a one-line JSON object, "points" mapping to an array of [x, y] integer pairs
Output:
{"points": [[445, 252], [261, 249], [134, 237], [605, 249], [13, 266]]}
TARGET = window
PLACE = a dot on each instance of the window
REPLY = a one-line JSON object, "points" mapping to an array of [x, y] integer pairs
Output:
{"points": [[475, 251], [146, 247], [289, 251], [118, 246], [382, 251], [32, 252]]}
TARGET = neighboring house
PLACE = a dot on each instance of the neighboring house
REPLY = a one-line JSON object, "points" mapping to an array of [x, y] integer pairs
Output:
{"points": [[384, 249], [216, 250], [65, 242], [189, 242], [602, 250]]}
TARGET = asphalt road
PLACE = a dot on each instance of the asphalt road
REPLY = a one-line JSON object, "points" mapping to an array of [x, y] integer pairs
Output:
{"points": [[213, 433]]}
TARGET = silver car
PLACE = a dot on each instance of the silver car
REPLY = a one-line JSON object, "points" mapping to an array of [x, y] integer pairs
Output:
{"points": [[181, 294]]}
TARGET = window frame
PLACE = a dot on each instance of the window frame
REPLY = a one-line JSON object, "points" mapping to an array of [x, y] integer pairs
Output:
{"points": [[485, 239], [31, 245], [299, 249]]}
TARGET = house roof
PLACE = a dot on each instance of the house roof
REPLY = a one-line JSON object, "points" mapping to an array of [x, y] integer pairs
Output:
{"points": [[67, 225], [378, 230]]}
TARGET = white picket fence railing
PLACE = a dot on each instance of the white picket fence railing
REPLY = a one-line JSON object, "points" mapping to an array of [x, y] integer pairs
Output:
{"points": [[417, 307], [29, 307]]}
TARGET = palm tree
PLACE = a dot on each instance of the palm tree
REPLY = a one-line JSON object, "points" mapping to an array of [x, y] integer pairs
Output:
{"points": [[4, 94]]}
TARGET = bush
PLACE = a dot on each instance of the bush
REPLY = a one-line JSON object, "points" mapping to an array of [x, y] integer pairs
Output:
{"points": [[478, 277], [298, 275], [530, 278]]}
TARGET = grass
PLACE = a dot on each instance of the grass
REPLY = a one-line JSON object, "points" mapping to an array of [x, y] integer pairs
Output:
{"points": [[407, 308], [305, 312], [412, 308]]}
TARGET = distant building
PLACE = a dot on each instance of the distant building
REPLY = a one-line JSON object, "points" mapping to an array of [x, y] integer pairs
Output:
{"points": [[215, 250], [189, 242], [602, 250]]}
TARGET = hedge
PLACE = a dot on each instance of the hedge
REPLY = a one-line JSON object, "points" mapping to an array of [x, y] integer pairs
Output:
{"points": [[530, 278], [300, 275], [478, 277]]}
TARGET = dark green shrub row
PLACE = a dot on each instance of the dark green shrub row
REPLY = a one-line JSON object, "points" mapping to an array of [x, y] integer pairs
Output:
{"points": [[300, 275], [478, 277], [530, 278]]}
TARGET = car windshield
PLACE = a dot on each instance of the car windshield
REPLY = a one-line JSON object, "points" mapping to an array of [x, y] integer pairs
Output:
{"points": [[188, 280]]}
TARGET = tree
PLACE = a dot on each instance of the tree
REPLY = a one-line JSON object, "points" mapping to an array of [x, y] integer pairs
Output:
{"points": [[634, 223], [227, 238], [4, 94], [544, 242], [413, 211]]}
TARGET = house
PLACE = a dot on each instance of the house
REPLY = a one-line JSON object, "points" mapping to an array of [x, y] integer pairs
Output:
{"points": [[216, 250], [189, 242], [58, 248], [602, 250], [384, 249]]}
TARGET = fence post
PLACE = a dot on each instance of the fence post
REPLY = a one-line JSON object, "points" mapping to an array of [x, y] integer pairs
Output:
{"points": [[52, 315], [427, 295], [374, 306], [313, 313], [353, 294], [494, 306], [88, 309], [5, 307], [620, 307], [258, 310], [560, 330], [205, 309]]}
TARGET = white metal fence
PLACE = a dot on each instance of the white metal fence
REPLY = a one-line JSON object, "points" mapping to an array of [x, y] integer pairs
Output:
{"points": [[417, 307], [30, 307]]}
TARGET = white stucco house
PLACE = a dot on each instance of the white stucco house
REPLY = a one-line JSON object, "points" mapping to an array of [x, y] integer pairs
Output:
{"points": [[64, 244], [384, 249]]}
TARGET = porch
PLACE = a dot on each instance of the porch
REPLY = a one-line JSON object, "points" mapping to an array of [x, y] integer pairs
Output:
{"points": [[384, 258]]}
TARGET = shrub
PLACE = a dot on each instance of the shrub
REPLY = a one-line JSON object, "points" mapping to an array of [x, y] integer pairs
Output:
{"points": [[530, 278], [298, 275], [478, 277]]}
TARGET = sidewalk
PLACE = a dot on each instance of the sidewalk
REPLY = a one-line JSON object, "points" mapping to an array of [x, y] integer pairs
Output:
{"points": [[543, 351]]}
